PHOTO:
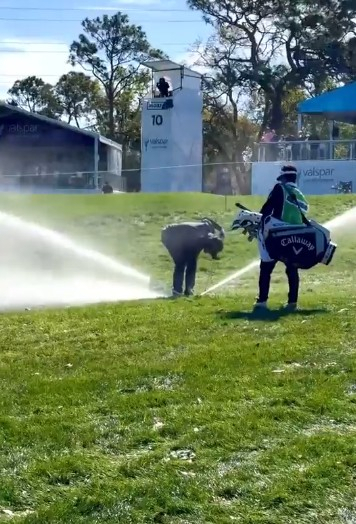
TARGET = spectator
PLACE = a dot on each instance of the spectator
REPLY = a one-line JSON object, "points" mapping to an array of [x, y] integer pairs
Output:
{"points": [[271, 140], [223, 182], [291, 148], [301, 147], [163, 87], [314, 146], [107, 188]]}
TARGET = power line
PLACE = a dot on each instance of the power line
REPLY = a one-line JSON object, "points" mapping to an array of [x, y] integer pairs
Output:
{"points": [[103, 8], [7, 75], [12, 75], [157, 21], [6, 42], [18, 77], [6, 51], [26, 51]]}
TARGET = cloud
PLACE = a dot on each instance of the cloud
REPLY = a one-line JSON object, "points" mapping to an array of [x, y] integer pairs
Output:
{"points": [[47, 60]]}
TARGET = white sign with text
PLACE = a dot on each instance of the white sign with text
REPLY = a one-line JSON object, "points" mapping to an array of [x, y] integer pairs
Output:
{"points": [[314, 177], [172, 143]]}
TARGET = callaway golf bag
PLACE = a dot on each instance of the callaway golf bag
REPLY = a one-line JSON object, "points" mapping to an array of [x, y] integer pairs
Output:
{"points": [[304, 245]]}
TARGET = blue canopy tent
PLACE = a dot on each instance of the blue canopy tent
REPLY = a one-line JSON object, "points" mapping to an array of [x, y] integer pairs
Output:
{"points": [[338, 105]]}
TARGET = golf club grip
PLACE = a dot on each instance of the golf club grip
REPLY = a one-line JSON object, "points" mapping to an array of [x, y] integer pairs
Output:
{"points": [[242, 206]]}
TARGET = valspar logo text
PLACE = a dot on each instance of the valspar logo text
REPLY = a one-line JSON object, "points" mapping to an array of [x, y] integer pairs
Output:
{"points": [[317, 172], [18, 129], [156, 143]]}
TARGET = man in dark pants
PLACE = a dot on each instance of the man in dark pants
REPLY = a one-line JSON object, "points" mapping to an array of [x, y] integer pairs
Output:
{"points": [[285, 205], [184, 242]]}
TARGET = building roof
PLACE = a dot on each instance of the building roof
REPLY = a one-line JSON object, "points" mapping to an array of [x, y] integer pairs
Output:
{"points": [[167, 65], [338, 104], [8, 109]]}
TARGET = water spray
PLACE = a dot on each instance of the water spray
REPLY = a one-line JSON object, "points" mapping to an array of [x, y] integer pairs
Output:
{"points": [[60, 241], [234, 276], [63, 273]]}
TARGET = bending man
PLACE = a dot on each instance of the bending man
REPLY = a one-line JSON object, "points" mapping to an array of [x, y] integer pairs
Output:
{"points": [[184, 242], [285, 204]]}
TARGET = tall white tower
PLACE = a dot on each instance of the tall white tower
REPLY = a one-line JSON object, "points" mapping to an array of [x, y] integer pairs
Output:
{"points": [[172, 131]]}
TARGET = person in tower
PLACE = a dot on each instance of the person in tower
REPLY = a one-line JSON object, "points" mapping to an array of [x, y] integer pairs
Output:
{"points": [[163, 87], [285, 205], [184, 242]]}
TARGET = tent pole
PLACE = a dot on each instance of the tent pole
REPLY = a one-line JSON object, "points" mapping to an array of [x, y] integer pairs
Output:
{"points": [[300, 122], [331, 145]]}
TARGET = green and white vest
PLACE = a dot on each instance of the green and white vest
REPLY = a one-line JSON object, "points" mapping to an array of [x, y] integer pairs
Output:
{"points": [[291, 213]]}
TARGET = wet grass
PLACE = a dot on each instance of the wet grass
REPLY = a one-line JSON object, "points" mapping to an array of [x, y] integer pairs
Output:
{"points": [[192, 411]]}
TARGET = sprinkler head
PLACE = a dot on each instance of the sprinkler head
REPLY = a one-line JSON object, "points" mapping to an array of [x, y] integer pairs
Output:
{"points": [[157, 287]]}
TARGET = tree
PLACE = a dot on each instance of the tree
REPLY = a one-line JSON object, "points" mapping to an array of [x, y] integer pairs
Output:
{"points": [[78, 95], [112, 49], [33, 94], [126, 111], [227, 131], [256, 109], [221, 149], [284, 45], [74, 97]]}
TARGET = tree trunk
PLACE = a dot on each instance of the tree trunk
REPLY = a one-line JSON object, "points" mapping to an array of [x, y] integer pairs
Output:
{"points": [[111, 120], [238, 167], [276, 115], [266, 117]]}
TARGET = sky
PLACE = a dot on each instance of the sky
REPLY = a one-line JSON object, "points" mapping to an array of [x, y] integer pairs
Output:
{"points": [[35, 39]]}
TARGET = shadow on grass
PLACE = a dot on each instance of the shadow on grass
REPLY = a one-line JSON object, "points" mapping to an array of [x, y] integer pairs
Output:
{"points": [[268, 315]]}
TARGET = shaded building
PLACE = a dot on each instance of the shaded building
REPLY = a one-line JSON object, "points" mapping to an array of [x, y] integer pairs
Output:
{"points": [[40, 152]]}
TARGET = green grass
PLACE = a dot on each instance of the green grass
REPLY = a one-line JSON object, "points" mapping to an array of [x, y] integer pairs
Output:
{"points": [[180, 412]]}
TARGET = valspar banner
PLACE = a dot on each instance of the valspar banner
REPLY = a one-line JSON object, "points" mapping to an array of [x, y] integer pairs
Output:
{"points": [[313, 172], [314, 177]]}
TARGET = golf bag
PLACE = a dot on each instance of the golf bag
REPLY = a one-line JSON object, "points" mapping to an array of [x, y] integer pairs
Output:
{"points": [[303, 246], [218, 230]]}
